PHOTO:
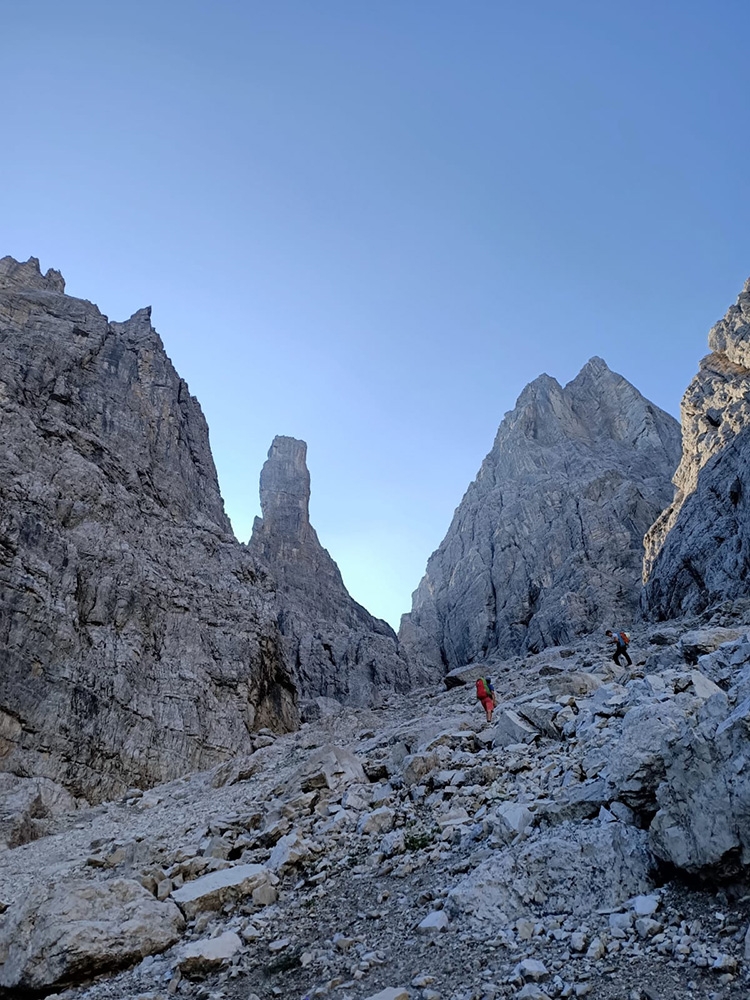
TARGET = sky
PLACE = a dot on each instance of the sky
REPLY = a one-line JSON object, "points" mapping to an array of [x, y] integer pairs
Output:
{"points": [[369, 225]]}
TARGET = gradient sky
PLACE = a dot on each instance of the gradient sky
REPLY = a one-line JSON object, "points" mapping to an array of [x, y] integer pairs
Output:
{"points": [[370, 224]]}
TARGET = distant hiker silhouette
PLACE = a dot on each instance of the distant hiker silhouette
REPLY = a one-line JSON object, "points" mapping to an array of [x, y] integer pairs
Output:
{"points": [[621, 640], [486, 694]]}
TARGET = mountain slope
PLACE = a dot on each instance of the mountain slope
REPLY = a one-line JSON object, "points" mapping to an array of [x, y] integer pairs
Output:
{"points": [[547, 541], [138, 639]]}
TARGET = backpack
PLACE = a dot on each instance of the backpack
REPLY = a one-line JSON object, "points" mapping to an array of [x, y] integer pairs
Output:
{"points": [[483, 689], [624, 638]]}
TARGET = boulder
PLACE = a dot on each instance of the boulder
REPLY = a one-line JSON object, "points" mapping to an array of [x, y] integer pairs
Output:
{"points": [[378, 821], [703, 822], [70, 931], [542, 715], [578, 683], [508, 727], [637, 765], [199, 957], [565, 870], [213, 891], [434, 922], [289, 851], [25, 804], [700, 642], [510, 819], [578, 802], [331, 767]]}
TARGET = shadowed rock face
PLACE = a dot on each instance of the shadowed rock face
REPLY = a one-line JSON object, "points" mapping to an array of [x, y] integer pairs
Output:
{"points": [[339, 649], [138, 639], [698, 551], [547, 542]]}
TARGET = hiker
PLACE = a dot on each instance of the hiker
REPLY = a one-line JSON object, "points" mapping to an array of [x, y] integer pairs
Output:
{"points": [[621, 640], [486, 694]]}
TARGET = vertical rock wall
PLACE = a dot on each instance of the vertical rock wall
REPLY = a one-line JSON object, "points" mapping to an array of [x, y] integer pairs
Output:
{"points": [[138, 640], [698, 551]]}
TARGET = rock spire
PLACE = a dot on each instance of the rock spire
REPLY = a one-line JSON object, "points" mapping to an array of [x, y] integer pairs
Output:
{"points": [[339, 649], [547, 541]]}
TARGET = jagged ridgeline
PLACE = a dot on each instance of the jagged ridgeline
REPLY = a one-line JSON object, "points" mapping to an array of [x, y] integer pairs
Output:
{"points": [[547, 543], [138, 639]]}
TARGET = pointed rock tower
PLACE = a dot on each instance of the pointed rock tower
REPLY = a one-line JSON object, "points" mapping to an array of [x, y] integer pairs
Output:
{"points": [[698, 551], [547, 543], [339, 649]]}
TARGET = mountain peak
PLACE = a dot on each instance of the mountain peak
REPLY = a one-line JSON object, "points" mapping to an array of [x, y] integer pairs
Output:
{"points": [[28, 274]]}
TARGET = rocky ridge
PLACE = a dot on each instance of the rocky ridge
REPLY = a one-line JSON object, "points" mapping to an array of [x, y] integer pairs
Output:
{"points": [[139, 640], [547, 543], [697, 551], [412, 852], [336, 648]]}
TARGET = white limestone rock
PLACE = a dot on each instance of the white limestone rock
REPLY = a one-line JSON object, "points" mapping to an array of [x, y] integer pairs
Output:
{"points": [[77, 929], [569, 870], [508, 727], [212, 891], [378, 821], [207, 953], [704, 800], [434, 922], [25, 805], [513, 817], [331, 767], [289, 851]]}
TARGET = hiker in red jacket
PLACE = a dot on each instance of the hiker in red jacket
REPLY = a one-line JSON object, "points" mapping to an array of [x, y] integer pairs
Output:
{"points": [[486, 694], [621, 640]]}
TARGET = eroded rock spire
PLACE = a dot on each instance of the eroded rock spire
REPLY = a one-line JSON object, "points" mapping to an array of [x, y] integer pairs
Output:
{"points": [[341, 650]]}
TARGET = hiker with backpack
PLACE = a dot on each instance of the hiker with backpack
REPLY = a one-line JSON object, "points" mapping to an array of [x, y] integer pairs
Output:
{"points": [[621, 640], [486, 695]]}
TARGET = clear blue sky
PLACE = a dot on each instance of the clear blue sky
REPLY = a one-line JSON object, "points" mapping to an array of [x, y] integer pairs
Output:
{"points": [[369, 225]]}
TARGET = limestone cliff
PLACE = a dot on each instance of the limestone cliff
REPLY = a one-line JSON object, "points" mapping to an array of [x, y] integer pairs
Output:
{"points": [[138, 640], [698, 551], [339, 649], [547, 542]]}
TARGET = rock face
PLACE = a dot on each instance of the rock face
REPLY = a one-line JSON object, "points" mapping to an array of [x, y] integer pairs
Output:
{"points": [[138, 639], [339, 649], [698, 551], [547, 542], [76, 929]]}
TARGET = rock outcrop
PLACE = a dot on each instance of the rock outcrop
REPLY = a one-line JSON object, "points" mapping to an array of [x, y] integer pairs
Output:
{"points": [[138, 639], [698, 551], [547, 542], [337, 649]]}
